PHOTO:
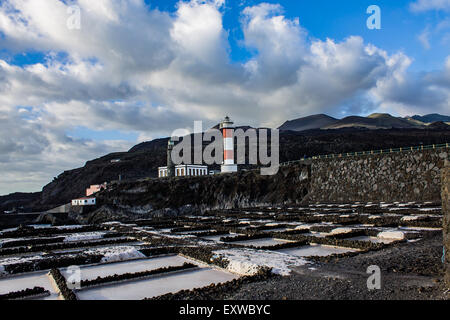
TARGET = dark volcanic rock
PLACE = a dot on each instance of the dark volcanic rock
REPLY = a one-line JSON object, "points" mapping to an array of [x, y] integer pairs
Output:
{"points": [[429, 118], [409, 271], [143, 160], [402, 176], [16, 201], [439, 125], [374, 121], [181, 196], [307, 123]]}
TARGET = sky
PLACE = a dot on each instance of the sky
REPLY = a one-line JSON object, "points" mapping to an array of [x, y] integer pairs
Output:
{"points": [[80, 79]]}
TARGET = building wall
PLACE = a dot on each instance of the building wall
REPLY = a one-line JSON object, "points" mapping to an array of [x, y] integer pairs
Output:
{"points": [[405, 176], [446, 220], [162, 172], [84, 202], [181, 171], [61, 209], [95, 188]]}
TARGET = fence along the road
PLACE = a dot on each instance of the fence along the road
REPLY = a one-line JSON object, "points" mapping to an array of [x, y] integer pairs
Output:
{"points": [[369, 153]]}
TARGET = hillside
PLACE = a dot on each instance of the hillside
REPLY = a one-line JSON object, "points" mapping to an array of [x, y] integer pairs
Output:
{"points": [[373, 121], [311, 122], [18, 200], [430, 118], [143, 160]]}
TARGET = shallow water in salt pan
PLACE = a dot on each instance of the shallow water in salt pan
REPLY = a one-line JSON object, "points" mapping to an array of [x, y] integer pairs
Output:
{"points": [[103, 270], [137, 290], [371, 239], [316, 250], [216, 238], [315, 234], [274, 230], [29, 281], [260, 242]]}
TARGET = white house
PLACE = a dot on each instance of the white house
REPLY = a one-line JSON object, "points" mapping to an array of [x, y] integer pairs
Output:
{"points": [[185, 170], [86, 201]]}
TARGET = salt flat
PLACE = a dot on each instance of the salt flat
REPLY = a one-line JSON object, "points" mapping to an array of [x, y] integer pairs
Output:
{"points": [[140, 289], [371, 239], [260, 242], [22, 282], [315, 250], [103, 270]]}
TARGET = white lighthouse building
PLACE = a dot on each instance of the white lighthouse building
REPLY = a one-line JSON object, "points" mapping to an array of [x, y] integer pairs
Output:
{"points": [[226, 126]]}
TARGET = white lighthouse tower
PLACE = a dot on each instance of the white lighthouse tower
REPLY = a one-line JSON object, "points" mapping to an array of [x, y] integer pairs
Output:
{"points": [[226, 126]]}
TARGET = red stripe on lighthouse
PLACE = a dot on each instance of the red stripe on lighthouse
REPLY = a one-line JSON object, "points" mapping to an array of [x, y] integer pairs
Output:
{"points": [[228, 133], [228, 154]]}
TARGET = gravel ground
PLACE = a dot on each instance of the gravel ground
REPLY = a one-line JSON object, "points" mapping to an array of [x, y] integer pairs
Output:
{"points": [[408, 271]]}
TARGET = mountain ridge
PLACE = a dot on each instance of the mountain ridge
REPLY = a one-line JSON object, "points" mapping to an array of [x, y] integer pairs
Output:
{"points": [[430, 118], [307, 123], [373, 121]]}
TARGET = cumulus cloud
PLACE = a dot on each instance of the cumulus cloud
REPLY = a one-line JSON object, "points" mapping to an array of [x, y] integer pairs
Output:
{"points": [[34, 149], [415, 93], [426, 5], [280, 45], [132, 68]]}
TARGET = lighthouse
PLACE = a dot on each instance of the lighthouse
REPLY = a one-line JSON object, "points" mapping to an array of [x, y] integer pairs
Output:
{"points": [[226, 126]]}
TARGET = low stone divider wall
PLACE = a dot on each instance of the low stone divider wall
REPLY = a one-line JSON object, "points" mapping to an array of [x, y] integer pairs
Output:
{"points": [[244, 237], [61, 283], [40, 232], [137, 275], [31, 242], [211, 233], [23, 294], [152, 251], [62, 246], [51, 262], [204, 254]]}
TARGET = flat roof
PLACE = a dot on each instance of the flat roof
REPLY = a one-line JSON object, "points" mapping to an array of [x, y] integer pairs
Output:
{"points": [[187, 165]]}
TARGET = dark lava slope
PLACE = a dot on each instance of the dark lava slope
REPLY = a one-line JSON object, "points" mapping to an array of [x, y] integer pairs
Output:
{"points": [[143, 160]]}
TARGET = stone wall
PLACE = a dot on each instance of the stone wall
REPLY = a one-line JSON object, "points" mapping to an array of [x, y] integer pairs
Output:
{"points": [[446, 220], [405, 176]]}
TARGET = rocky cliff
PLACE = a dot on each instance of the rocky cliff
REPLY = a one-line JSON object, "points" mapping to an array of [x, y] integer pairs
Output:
{"points": [[179, 196], [143, 160], [405, 176]]}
